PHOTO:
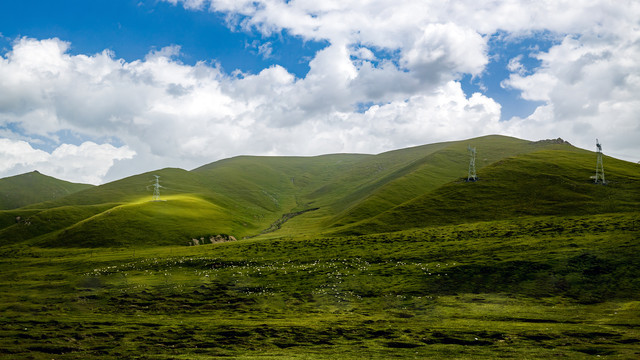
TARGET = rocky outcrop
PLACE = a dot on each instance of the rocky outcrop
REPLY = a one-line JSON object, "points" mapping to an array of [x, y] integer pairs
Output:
{"points": [[212, 239], [552, 141]]}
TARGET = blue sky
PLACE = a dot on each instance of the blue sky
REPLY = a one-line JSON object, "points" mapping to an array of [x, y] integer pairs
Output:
{"points": [[97, 90], [132, 28]]}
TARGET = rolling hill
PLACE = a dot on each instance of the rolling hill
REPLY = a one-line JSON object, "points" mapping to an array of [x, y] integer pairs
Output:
{"points": [[34, 187], [545, 182], [331, 194]]}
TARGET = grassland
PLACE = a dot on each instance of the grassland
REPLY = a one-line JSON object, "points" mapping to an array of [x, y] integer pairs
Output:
{"points": [[545, 182], [348, 193], [343, 256], [21, 190], [530, 288]]}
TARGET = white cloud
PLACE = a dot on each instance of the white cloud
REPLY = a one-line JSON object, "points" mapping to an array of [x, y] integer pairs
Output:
{"points": [[444, 51], [87, 163], [265, 50], [587, 82], [18, 153], [590, 86], [274, 113], [516, 66], [352, 99]]}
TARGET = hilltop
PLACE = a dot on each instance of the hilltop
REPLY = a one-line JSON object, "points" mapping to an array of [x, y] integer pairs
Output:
{"points": [[339, 194], [34, 187]]}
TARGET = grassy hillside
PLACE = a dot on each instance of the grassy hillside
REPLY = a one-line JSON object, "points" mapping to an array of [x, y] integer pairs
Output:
{"points": [[121, 213], [239, 197], [285, 180], [332, 194], [34, 187], [174, 220], [130, 189], [371, 256], [431, 170], [21, 225], [546, 182]]}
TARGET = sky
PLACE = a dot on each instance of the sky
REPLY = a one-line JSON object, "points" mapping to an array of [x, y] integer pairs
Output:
{"points": [[94, 91]]}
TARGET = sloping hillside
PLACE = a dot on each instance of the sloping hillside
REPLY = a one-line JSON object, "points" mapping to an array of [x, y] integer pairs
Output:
{"points": [[430, 171], [546, 182], [34, 187], [347, 193], [121, 213]]}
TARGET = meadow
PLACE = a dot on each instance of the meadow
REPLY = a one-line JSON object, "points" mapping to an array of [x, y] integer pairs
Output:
{"points": [[345, 256], [527, 288]]}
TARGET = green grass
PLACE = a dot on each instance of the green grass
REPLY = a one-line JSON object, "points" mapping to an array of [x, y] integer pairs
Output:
{"points": [[400, 258], [550, 286], [149, 223], [546, 182], [30, 188], [350, 194], [47, 222], [437, 165]]}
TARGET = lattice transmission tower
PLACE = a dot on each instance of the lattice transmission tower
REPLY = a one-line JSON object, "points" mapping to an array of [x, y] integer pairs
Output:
{"points": [[156, 189], [599, 167], [472, 164]]}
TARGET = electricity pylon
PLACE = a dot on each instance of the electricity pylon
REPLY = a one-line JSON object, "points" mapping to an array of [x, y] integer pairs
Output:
{"points": [[156, 189], [472, 164], [599, 166]]}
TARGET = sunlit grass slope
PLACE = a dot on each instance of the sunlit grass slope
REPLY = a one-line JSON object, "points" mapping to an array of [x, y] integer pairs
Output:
{"points": [[341, 194], [239, 197], [348, 192], [121, 213], [172, 221], [328, 183], [435, 166], [87, 209], [34, 187], [546, 182]]}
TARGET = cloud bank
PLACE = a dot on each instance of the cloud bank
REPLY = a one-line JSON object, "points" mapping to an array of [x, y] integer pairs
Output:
{"points": [[388, 78], [87, 163]]}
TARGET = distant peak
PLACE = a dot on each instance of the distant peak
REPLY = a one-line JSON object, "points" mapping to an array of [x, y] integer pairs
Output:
{"points": [[36, 172]]}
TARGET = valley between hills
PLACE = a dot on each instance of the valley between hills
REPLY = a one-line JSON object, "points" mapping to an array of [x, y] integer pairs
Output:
{"points": [[341, 255]]}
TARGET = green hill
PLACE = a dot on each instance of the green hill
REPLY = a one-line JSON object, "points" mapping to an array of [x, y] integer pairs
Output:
{"points": [[546, 182], [121, 213], [335, 194], [34, 187], [444, 163]]}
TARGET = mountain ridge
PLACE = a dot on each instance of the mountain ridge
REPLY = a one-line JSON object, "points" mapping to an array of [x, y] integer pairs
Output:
{"points": [[350, 193]]}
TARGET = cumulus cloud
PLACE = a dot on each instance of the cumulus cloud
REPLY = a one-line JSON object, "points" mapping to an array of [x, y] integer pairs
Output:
{"points": [[516, 66], [171, 114], [589, 85], [351, 100], [446, 50], [586, 81], [87, 163]]}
